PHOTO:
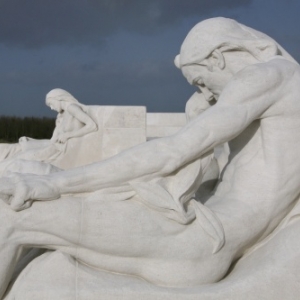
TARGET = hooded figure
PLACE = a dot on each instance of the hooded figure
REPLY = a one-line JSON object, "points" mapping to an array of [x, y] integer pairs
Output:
{"points": [[226, 35]]}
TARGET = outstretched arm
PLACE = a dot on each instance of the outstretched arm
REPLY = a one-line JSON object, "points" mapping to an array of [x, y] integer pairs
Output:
{"points": [[244, 99], [237, 107]]}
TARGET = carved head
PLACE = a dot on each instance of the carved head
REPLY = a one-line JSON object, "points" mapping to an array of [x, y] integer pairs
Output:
{"points": [[56, 97], [61, 95], [217, 48], [226, 35]]}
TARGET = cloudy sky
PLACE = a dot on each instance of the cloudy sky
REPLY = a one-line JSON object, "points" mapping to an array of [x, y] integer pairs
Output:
{"points": [[115, 52]]}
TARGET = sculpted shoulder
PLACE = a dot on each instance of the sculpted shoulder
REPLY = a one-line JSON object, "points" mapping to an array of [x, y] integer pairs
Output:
{"points": [[261, 76], [257, 81]]}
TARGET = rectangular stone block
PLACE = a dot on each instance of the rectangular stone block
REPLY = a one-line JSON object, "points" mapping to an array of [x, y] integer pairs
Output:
{"points": [[119, 128], [164, 124]]}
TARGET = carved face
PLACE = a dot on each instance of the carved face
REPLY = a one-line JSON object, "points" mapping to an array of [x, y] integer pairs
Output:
{"points": [[199, 76], [210, 83], [210, 76], [54, 104]]}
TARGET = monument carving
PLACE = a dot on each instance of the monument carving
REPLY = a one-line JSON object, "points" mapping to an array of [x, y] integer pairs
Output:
{"points": [[72, 121], [140, 213]]}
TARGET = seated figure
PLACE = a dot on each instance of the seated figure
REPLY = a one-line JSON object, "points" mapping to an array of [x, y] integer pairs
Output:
{"points": [[72, 121], [136, 214]]}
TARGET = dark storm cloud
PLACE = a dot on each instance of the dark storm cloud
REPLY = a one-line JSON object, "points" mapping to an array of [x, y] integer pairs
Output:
{"points": [[155, 84], [36, 23], [108, 74]]}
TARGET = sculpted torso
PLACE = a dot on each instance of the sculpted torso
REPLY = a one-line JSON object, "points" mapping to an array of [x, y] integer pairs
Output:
{"points": [[261, 176], [268, 163]]}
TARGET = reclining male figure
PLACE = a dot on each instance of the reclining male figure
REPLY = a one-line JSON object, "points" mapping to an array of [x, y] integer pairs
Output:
{"points": [[255, 84]]}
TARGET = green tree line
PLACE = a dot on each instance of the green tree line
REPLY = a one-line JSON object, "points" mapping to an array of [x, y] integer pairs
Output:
{"points": [[12, 128]]}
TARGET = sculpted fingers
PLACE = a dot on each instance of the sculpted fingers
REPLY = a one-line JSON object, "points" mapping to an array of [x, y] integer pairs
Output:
{"points": [[21, 193], [13, 192], [6, 189], [27, 188], [62, 138], [19, 205]]}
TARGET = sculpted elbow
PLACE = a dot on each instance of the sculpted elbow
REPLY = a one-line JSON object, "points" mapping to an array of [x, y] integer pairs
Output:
{"points": [[92, 127]]}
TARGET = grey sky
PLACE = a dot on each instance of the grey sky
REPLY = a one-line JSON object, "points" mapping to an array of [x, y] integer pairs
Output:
{"points": [[115, 52]]}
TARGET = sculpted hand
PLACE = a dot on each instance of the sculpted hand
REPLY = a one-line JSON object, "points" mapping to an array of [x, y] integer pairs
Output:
{"points": [[19, 190], [62, 138]]}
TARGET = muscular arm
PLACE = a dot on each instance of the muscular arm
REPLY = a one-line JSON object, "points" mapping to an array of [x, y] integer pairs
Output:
{"points": [[246, 98]]}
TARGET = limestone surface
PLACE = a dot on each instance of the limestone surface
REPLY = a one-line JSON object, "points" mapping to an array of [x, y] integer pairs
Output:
{"points": [[137, 226]]}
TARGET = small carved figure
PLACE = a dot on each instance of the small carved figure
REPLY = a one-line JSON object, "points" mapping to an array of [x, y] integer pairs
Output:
{"points": [[72, 121]]}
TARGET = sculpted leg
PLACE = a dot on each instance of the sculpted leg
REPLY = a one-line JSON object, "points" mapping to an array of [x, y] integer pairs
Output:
{"points": [[103, 233], [35, 228], [98, 224], [118, 236]]}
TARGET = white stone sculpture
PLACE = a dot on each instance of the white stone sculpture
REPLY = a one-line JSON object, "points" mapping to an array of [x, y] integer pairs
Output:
{"points": [[92, 133], [135, 214], [72, 121]]}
